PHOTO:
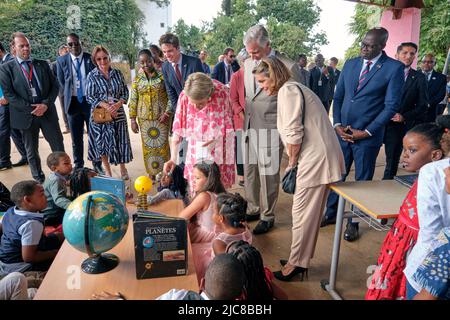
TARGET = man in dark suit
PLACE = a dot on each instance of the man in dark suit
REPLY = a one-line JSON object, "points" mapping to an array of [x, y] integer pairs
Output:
{"points": [[73, 69], [31, 89], [303, 72], [62, 50], [366, 98], [5, 129], [436, 84], [176, 68], [336, 73], [321, 80], [413, 108], [224, 70]]}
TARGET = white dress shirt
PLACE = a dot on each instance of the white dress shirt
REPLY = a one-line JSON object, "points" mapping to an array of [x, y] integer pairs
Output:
{"points": [[374, 61], [74, 74], [433, 210]]}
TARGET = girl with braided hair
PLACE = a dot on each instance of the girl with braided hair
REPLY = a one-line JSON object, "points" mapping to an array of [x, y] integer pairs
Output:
{"points": [[259, 283], [229, 215]]}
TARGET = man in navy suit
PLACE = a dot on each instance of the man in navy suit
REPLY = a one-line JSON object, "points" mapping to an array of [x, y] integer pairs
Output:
{"points": [[224, 70], [176, 68], [412, 111], [72, 71], [31, 89], [436, 84], [366, 98], [5, 129]]}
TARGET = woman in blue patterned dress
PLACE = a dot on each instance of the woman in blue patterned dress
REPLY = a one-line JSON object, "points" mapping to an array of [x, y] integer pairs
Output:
{"points": [[106, 88]]}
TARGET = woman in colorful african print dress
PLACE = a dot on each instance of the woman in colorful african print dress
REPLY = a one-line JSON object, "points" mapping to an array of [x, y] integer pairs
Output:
{"points": [[204, 117], [420, 146], [149, 104]]}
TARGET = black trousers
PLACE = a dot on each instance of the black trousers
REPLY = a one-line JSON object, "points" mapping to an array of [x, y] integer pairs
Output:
{"points": [[393, 146], [77, 116], [6, 133]]}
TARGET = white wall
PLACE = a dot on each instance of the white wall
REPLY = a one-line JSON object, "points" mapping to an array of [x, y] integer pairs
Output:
{"points": [[154, 17]]}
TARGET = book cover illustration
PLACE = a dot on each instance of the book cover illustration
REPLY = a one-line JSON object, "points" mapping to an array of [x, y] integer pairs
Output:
{"points": [[160, 245], [113, 185]]}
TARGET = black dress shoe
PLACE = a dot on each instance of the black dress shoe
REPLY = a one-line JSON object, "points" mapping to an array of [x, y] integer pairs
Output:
{"points": [[283, 262], [326, 221], [263, 227], [351, 232], [22, 162], [5, 167], [251, 217], [297, 270]]}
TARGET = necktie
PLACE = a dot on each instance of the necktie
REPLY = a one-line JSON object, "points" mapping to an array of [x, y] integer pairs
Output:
{"points": [[228, 74], [406, 74], [34, 83], [362, 77], [79, 82], [178, 73]]}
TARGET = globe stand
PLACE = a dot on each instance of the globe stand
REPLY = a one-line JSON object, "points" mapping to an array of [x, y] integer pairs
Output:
{"points": [[100, 263]]}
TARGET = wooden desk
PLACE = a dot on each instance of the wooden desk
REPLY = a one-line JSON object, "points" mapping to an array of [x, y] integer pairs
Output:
{"points": [[65, 271], [379, 199]]}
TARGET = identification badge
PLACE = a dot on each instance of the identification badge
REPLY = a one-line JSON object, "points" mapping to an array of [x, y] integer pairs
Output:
{"points": [[78, 84], [33, 92], [319, 83]]}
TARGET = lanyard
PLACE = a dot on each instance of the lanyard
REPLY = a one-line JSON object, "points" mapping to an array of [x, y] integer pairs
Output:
{"points": [[28, 74]]}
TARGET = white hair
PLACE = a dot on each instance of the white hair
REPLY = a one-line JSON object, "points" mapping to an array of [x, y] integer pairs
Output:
{"points": [[257, 34]]}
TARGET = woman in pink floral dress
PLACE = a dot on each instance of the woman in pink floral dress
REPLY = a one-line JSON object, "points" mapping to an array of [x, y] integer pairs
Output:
{"points": [[205, 118]]}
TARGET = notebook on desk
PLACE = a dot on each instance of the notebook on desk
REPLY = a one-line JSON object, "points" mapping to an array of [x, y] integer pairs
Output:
{"points": [[407, 180]]}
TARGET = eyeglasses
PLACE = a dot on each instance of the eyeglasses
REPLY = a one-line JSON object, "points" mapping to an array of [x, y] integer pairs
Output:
{"points": [[428, 61], [101, 58], [73, 44], [368, 46]]}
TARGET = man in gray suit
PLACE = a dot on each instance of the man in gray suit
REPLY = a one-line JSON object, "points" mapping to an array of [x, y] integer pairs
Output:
{"points": [[302, 70], [31, 89], [263, 148]]}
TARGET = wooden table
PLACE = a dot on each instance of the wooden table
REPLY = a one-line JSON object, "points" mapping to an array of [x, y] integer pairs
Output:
{"points": [[66, 281], [378, 199]]}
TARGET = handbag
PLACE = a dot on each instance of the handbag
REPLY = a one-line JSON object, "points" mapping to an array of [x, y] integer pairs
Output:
{"points": [[290, 178], [101, 115]]}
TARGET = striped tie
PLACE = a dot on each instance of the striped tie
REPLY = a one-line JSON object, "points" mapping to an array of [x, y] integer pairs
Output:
{"points": [[362, 77]]}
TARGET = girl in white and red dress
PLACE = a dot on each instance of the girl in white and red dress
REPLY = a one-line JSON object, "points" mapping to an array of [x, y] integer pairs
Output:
{"points": [[421, 145]]}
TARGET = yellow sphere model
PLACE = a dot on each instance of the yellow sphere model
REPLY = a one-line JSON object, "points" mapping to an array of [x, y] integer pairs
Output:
{"points": [[143, 184]]}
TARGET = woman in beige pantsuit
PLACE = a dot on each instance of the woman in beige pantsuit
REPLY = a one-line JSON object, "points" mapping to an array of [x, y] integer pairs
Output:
{"points": [[314, 147]]}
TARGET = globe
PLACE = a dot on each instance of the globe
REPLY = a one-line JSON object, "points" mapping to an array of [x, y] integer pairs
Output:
{"points": [[94, 223]]}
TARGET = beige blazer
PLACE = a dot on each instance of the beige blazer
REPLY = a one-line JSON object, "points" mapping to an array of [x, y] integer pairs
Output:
{"points": [[261, 109], [321, 160]]}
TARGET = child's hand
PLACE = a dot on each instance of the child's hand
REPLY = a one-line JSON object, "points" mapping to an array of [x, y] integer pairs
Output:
{"points": [[107, 296]]}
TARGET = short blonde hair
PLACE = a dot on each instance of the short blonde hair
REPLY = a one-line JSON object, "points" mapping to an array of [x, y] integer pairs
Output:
{"points": [[97, 49], [275, 70], [198, 86]]}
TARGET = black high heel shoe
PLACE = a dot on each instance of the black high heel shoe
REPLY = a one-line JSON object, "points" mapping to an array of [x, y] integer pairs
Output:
{"points": [[297, 270]]}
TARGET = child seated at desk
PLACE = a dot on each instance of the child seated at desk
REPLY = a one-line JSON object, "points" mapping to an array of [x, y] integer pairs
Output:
{"points": [[421, 145], [202, 229], [171, 186], [55, 188], [259, 283], [224, 280], [23, 245]]}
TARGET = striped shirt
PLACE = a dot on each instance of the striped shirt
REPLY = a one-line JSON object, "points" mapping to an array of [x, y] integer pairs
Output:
{"points": [[99, 89]]}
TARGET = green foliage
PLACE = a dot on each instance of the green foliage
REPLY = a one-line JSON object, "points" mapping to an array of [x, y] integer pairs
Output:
{"points": [[116, 24], [434, 28], [190, 36], [289, 22]]}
